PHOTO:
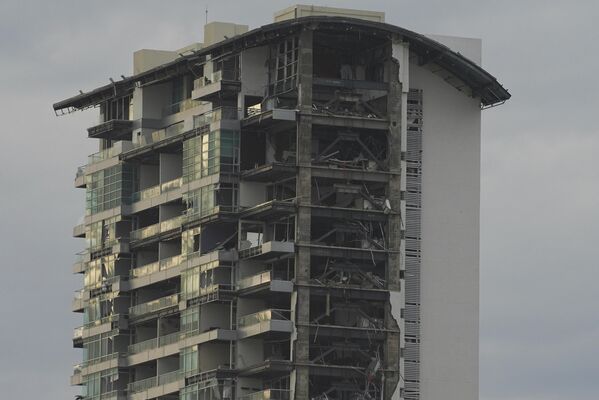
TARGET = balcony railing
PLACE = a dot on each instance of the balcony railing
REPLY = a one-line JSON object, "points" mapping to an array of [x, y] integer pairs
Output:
{"points": [[79, 294], [217, 76], [104, 283], [254, 280], [207, 290], [268, 394], [156, 266], [79, 367], [274, 247], [161, 134], [78, 333], [101, 321], [216, 114], [154, 305], [80, 171], [103, 155], [181, 106], [156, 229], [145, 384], [264, 315], [157, 190], [191, 215], [154, 343]]}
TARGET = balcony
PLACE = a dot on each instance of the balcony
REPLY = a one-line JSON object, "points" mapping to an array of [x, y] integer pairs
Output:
{"points": [[157, 385], [272, 321], [155, 343], [87, 367], [149, 269], [220, 84], [208, 293], [157, 230], [82, 260], [180, 106], [216, 115], [156, 139], [103, 325], [80, 177], [99, 160], [268, 250], [271, 172], [109, 284], [210, 214], [267, 281], [191, 338], [270, 118], [79, 301], [113, 129], [159, 305], [155, 191]]}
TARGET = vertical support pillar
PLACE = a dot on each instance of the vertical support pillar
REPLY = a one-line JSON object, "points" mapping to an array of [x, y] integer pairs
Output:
{"points": [[394, 194], [304, 217]]}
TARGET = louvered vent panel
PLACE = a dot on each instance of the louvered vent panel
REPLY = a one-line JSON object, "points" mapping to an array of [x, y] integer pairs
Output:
{"points": [[411, 353]]}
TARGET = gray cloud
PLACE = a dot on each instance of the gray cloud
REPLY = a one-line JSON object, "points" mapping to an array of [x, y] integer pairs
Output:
{"points": [[539, 325]]}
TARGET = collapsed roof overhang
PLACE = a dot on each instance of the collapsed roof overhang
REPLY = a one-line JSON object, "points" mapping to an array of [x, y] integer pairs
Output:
{"points": [[481, 83]]}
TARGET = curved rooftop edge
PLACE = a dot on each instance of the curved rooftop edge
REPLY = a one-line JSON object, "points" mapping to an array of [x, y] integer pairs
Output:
{"points": [[481, 82]]}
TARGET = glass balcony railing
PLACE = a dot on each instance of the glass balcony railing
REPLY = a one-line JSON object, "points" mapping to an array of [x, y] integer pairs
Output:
{"points": [[217, 76], [181, 106], [95, 361], [103, 283], [206, 290], [154, 305], [80, 172], [78, 333], [254, 280], [160, 134], [145, 384], [82, 257], [103, 155], [154, 343], [101, 321], [157, 190], [215, 115], [264, 315], [156, 266], [156, 229], [268, 394]]}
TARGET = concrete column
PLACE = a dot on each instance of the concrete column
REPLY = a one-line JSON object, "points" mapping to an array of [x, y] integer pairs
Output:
{"points": [[395, 229], [303, 220]]}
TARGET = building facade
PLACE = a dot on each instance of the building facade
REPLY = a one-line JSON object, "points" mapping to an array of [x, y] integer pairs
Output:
{"points": [[285, 213]]}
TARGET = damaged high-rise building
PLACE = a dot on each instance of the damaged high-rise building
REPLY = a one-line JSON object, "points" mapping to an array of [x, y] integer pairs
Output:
{"points": [[285, 213]]}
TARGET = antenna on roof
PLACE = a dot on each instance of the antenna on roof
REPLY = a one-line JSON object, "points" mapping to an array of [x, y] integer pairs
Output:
{"points": [[206, 13]]}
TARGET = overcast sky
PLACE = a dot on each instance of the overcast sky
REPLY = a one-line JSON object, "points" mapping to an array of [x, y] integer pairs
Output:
{"points": [[540, 229]]}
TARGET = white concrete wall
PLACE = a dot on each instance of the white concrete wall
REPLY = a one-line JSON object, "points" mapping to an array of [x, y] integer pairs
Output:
{"points": [[249, 352], [214, 315], [148, 176], [450, 240], [146, 59], [251, 193], [171, 166], [468, 47], [215, 32], [254, 73], [212, 355]]}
